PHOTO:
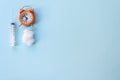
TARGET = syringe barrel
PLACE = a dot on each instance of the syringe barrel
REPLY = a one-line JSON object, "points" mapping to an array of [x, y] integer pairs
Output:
{"points": [[12, 34]]}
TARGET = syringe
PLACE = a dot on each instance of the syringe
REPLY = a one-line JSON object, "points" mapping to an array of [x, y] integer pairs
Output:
{"points": [[12, 35]]}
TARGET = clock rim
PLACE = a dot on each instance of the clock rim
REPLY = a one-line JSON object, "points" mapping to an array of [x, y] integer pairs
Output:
{"points": [[29, 23]]}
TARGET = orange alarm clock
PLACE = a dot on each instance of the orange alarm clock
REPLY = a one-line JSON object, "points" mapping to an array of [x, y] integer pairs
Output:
{"points": [[26, 16]]}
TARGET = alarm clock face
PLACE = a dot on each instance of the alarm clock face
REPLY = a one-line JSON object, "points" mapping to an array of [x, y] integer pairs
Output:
{"points": [[26, 18]]}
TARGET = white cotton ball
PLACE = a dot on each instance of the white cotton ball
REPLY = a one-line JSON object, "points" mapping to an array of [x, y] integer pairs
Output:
{"points": [[28, 37]]}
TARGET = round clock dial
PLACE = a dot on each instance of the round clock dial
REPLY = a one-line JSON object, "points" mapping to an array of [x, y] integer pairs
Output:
{"points": [[26, 18]]}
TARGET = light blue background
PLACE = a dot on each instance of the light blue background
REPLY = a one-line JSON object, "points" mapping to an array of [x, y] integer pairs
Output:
{"points": [[75, 40]]}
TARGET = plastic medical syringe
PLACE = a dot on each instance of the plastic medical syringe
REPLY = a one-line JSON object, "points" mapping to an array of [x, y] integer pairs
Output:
{"points": [[12, 35]]}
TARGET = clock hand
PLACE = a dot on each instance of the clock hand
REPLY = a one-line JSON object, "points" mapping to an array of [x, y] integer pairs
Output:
{"points": [[26, 17]]}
